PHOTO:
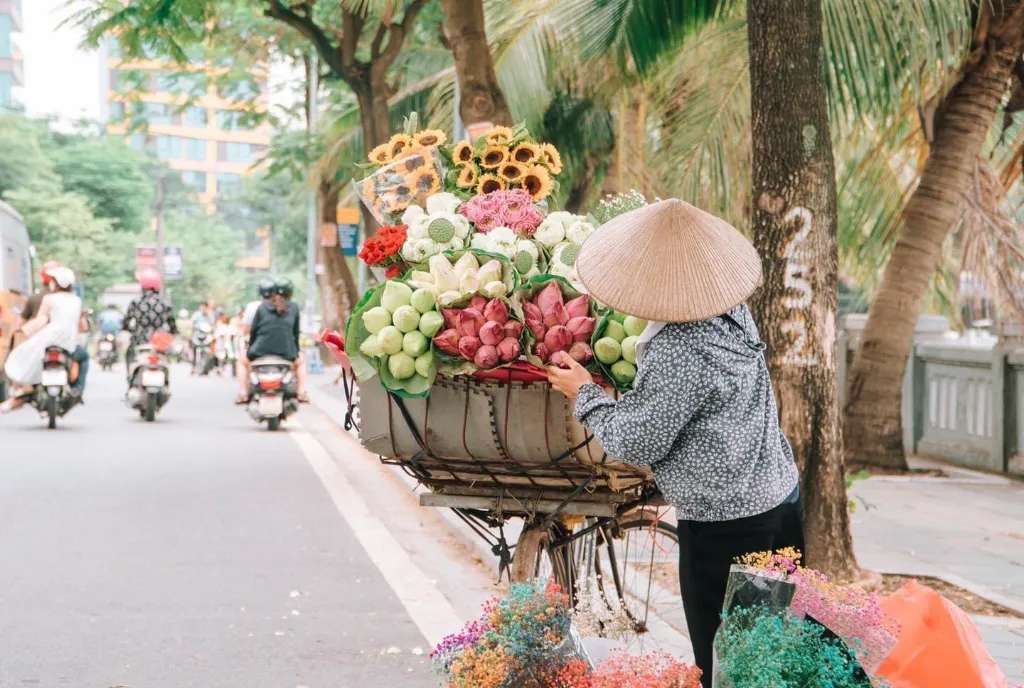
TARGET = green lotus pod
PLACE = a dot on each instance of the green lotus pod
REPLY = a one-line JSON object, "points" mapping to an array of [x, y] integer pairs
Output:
{"points": [[567, 255], [524, 262], [441, 230]]}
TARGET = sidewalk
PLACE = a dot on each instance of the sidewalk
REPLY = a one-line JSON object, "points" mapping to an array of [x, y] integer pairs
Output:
{"points": [[967, 529]]}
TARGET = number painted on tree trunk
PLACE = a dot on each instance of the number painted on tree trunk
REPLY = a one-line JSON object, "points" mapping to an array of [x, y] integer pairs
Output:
{"points": [[799, 292]]}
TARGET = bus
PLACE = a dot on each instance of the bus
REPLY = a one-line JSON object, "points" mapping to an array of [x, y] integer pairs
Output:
{"points": [[15, 279]]}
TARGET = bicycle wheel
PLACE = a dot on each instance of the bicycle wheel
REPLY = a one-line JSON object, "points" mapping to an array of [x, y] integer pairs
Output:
{"points": [[637, 566]]}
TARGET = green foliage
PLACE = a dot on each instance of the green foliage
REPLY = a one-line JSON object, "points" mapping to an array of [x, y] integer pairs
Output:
{"points": [[111, 175], [23, 156], [211, 249]]}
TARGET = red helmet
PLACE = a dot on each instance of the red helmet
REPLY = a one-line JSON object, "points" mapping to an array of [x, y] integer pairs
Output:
{"points": [[150, 279], [44, 271]]}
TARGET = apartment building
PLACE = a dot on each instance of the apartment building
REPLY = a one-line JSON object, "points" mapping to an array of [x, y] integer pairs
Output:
{"points": [[190, 125], [11, 72]]}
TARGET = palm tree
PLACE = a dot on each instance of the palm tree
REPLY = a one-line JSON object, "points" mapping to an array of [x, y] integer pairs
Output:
{"points": [[961, 124]]}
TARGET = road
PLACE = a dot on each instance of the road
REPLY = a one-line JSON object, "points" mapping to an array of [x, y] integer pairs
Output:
{"points": [[200, 550]]}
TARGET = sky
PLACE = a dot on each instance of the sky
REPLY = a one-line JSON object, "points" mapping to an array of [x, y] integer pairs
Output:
{"points": [[61, 79]]}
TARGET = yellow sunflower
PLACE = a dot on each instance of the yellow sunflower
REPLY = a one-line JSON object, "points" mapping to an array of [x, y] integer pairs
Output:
{"points": [[498, 135], [494, 156], [381, 154], [526, 153], [550, 156], [430, 137], [512, 172], [462, 153], [426, 181], [411, 161], [468, 177], [398, 144], [489, 183], [537, 181]]}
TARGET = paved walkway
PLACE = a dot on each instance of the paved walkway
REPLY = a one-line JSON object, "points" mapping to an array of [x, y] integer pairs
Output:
{"points": [[967, 529]]}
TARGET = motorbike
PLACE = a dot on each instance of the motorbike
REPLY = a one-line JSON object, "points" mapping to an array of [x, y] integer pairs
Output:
{"points": [[106, 351], [272, 391], [53, 396], [202, 349], [148, 382]]}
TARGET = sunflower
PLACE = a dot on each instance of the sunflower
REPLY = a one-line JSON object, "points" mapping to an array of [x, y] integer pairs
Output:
{"points": [[526, 152], [410, 162], [426, 181], [398, 143], [468, 177], [550, 156], [512, 172], [537, 181], [494, 156], [462, 153], [381, 154], [430, 137], [489, 183], [498, 135]]}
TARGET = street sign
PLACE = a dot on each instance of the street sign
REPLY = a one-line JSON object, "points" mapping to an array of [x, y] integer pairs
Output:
{"points": [[348, 239], [348, 230], [174, 261], [328, 235]]}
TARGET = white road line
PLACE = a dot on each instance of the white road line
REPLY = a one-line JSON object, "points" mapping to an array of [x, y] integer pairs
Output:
{"points": [[428, 607]]}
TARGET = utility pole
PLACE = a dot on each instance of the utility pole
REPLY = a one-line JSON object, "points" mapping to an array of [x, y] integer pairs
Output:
{"points": [[313, 221], [158, 227]]}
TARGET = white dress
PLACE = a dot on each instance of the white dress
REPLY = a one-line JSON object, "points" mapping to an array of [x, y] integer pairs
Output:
{"points": [[25, 363]]}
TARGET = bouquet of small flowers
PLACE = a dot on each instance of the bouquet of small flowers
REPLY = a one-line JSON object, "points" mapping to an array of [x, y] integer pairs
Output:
{"points": [[434, 228], [519, 642], [505, 158], [383, 250], [513, 209]]}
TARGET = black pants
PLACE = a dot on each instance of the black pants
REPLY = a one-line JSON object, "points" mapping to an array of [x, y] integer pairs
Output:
{"points": [[706, 551]]}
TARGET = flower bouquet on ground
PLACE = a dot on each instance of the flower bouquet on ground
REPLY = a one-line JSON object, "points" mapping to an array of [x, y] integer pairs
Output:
{"points": [[614, 343], [390, 333], [817, 633], [520, 641]]}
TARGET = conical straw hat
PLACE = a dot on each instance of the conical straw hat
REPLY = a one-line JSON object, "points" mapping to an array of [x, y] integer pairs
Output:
{"points": [[670, 262]]}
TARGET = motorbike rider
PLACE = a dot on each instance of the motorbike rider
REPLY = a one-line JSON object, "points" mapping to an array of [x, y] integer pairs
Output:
{"points": [[110, 320], [275, 332], [147, 314], [266, 290], [56, 321]]}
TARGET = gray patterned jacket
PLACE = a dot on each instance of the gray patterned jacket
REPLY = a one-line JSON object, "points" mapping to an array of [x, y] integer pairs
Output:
{"points": [[702, 414]]}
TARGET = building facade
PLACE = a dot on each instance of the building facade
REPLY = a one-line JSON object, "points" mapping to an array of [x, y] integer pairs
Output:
{"points": [[11, 72], [187, 123]]}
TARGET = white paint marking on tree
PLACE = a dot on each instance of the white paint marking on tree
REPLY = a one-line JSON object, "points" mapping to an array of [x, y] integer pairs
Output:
{"points": [[432, 613], [797, 279]]}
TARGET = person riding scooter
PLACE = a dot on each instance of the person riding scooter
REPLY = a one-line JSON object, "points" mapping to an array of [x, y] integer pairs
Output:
{"points": [[275, 332], [148, 314]]}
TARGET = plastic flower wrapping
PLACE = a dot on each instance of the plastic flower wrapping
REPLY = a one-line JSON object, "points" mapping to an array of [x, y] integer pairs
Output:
{"points": [[412, 173], [814, 632]]}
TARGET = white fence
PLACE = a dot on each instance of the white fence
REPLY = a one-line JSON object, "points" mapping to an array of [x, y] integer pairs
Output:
{"points": [[963, 397]]}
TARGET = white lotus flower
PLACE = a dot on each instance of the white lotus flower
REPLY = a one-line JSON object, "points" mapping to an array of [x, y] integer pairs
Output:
{"points": [[480, 242], [551, 231], [563, 261], [578, 232], [503, 240], [418, 250], [442, 203], [527, 258]]}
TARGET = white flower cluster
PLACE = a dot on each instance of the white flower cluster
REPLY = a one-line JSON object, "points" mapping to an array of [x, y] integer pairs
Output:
{"points": [[434, 230], [523, 253], [561, 226]]}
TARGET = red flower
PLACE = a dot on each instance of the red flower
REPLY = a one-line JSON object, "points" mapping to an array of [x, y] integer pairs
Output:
{"points": [[383, 247], [393, 271]]}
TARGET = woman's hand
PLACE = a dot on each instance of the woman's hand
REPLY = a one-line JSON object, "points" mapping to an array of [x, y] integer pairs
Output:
{"points": [[568, 381]]}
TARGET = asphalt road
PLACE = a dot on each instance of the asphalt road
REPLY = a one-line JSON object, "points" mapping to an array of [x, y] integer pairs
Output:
{"points": [[200, 550]]}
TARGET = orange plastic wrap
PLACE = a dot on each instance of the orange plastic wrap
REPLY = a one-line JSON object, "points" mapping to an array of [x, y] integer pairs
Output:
{"points": [[938, 646]]}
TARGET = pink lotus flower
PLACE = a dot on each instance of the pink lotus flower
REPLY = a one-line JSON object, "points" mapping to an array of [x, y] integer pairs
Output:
{"points": [[578, 306], [508, 349], [486, 357], [558, 338], [470, 322], [513, 329], [497, 311], [448, 341], [468, 346], [491, 333]]}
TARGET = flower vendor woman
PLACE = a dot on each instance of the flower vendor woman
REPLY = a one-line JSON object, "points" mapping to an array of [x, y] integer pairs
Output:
{"points": [[702, 413]]}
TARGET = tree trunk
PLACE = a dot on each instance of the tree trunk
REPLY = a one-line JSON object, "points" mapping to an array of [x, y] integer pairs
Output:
{"points": [[794, 198], [338, 291], [874, 432], [480, 96]]}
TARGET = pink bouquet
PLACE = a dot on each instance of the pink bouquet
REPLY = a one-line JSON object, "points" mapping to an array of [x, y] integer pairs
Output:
{"points": [[513, 209], [483, 333], [561, 329]]}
